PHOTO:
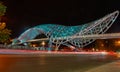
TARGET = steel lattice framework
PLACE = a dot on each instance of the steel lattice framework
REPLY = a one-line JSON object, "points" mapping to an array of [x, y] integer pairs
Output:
{"points": [[60, 34]]}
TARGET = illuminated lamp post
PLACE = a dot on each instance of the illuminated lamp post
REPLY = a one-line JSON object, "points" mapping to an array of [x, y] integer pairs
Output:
{"points": [[117, 45], [102, 46], [43, 44]]}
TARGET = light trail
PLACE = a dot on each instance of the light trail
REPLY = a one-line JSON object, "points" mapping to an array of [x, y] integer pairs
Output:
{"points": [[9, 51]]}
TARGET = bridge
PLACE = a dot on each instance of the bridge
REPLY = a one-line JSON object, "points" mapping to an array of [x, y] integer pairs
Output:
{"points": [[78, 36]]}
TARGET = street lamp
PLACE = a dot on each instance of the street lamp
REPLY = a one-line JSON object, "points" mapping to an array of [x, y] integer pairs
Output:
{"points": [[43, 44]]}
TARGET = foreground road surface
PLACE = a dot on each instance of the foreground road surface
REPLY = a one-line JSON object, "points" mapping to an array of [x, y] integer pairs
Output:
{"points": [[110, 67], [15, 61]]}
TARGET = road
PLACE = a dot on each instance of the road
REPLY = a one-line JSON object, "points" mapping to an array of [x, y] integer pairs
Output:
{"points": [[53, 62]]}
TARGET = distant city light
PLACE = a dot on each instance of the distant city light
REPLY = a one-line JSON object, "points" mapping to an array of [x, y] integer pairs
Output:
{"points": [[117, 43]]}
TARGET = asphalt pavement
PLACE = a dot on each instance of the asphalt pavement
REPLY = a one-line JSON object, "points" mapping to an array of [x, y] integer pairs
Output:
{"points": [[110, 67]]}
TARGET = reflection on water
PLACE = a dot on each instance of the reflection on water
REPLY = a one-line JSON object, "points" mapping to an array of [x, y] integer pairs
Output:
{"points": [[43, 63]]}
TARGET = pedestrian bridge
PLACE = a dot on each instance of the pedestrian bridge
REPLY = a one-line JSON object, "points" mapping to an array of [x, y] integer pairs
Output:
{"points": [[78, 36]]}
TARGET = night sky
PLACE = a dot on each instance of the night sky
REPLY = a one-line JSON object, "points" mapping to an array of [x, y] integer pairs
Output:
{"points": [[23, 14]]}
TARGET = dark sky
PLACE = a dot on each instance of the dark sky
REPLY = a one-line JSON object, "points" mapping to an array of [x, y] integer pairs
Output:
{"points": [[23, 14]]}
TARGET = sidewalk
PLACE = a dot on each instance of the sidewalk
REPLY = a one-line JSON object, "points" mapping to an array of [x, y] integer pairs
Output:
{"points": [[111, 67]]}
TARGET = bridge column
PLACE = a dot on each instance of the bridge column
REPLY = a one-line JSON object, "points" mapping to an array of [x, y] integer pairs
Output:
{"points": [[57, 47]]}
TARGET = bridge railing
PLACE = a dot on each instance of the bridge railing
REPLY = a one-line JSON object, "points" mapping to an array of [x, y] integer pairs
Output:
{"points": [[21, 47], [16, 47]]}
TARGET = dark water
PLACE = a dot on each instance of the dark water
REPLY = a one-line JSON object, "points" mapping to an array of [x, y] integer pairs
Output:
{"points": [[52, 63]]}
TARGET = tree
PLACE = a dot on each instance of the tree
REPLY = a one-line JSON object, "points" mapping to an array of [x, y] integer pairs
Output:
{"points": [[4, 32], [2, 10]]}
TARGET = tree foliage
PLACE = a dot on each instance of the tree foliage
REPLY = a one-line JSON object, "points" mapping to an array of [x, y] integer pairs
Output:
{"points": [[2, 9], [4, 32]]}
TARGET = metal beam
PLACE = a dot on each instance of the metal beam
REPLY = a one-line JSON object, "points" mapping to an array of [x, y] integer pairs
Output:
{"points": [[94, 36]]}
